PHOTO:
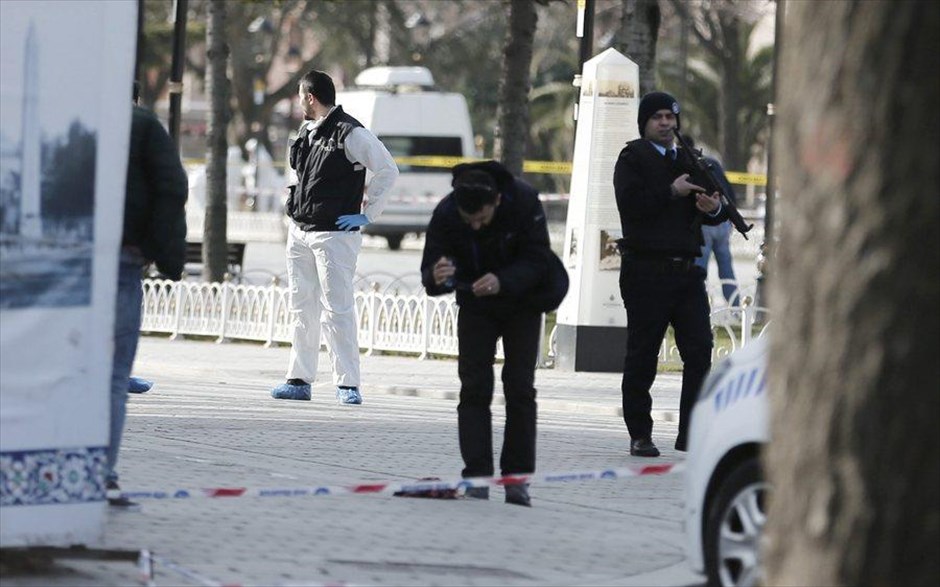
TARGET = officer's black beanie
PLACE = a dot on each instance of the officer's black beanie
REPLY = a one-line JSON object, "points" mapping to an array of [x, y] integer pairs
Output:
{"points": [[652, 103]]}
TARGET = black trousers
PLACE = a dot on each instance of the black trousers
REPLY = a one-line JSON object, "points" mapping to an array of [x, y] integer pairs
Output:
{"points": [[656, 295], [477, 333]]}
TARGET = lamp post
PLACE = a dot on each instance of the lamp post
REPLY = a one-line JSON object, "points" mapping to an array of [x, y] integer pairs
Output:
{"points": [[176, 69], [584, 31], [765, 256]]}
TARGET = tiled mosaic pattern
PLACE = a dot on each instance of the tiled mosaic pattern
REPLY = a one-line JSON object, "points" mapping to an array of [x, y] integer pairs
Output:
{"points": [[52, 476]]}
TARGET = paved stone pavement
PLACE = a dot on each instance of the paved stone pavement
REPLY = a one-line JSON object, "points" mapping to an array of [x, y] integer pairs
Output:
{"points": [[210, 422]]}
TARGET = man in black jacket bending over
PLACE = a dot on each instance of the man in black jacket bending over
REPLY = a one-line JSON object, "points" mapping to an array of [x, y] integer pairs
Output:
{"points": [[488, 240], [661, 212]]}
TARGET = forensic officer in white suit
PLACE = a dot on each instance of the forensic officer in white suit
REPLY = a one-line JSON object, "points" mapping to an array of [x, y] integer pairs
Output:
{"points": [[328, 162]]}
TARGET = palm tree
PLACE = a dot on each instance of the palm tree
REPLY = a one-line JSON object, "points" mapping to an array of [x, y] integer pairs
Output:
{"points": [[551, 101], [728, 90], [700, 107], [550, 109]]}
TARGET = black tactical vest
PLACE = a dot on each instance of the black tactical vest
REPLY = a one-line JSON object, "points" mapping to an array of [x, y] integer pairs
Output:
{"points": [[328, 186]]}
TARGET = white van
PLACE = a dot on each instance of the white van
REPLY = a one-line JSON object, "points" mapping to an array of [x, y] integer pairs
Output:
{"points": [[401, 106]]}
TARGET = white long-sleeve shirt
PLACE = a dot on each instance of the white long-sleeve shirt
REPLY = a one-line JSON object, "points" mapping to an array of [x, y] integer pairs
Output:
{"points": [[364, 148]]}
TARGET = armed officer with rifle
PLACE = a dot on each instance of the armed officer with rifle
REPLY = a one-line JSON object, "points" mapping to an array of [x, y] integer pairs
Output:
{"points": [[662, 207]]}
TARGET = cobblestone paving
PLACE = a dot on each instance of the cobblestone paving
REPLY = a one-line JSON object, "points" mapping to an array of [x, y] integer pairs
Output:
{"points": [[210, 422]]}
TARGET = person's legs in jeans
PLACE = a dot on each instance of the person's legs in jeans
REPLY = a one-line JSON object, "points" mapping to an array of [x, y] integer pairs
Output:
{"points": [[722, 248], [476, 340], [521, 348], [708, 237], [126, 335]]}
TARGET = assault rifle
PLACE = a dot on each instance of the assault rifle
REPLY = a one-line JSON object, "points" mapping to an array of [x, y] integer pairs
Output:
{"points": [[710, 175]]}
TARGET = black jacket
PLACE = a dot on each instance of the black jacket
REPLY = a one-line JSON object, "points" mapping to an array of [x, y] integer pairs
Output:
{"points": [[514, 246], [653, 221], [155, 196], [328, 185]]}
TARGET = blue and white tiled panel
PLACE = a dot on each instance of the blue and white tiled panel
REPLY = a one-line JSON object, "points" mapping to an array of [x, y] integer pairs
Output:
{"points": [[52, 476]]}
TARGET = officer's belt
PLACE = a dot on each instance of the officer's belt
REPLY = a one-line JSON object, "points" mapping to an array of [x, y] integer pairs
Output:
{"points": [[658, 262]]}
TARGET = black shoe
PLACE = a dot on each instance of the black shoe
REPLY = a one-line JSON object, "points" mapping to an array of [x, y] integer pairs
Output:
{"points": [[518, 495], [682, 445], [113, 493], [478, 492], [643, 447]]}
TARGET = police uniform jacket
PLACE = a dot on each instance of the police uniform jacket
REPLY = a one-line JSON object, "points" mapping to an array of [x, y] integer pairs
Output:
{"points": [[654, 222]]}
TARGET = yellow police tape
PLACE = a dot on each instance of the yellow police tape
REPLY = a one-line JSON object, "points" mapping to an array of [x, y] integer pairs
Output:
{"points": [[550, 167], [558, 167], [746, 178]]}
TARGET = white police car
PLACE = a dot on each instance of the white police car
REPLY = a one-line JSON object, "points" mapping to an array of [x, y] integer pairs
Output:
{"points": [[726, 495]]}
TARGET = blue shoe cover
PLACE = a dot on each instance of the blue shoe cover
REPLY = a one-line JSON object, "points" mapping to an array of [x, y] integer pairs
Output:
{"points": [[138, 385], [348, 396], [289, 391]]}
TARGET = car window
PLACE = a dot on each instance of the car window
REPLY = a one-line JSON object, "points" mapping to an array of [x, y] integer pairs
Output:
{"points": [[400, 146]]}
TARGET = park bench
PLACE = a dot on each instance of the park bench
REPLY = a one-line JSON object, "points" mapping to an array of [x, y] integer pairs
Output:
{"points": [[234, 262]]}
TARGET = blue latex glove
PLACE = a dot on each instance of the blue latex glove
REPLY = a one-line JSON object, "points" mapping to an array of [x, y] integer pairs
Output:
{"points": [[351, 221]]}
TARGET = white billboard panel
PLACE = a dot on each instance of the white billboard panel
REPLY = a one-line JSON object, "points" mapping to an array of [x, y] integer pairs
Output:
{"points": [[607, 113], [65, 89]]}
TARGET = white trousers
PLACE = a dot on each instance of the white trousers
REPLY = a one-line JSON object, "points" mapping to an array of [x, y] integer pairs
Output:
{"points": [[320, 271]]}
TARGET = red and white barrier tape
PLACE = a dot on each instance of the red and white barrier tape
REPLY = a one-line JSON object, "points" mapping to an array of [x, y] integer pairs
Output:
{"points": [[148, 561], [390, 488]]}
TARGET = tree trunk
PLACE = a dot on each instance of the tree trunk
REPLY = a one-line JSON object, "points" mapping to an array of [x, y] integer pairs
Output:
{"points": [[729, 102], [215, 242], [685, 31], [513, 110], [855, 363], [637, 36]]}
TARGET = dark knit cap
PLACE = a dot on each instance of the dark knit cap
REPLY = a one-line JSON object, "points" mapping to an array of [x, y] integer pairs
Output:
{"points": [[319, 84], [474, 189], [652, 103]]}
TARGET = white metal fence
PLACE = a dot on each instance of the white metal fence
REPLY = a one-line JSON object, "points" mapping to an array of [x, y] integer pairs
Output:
{"points": [[406, 323], [388, 320]]}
